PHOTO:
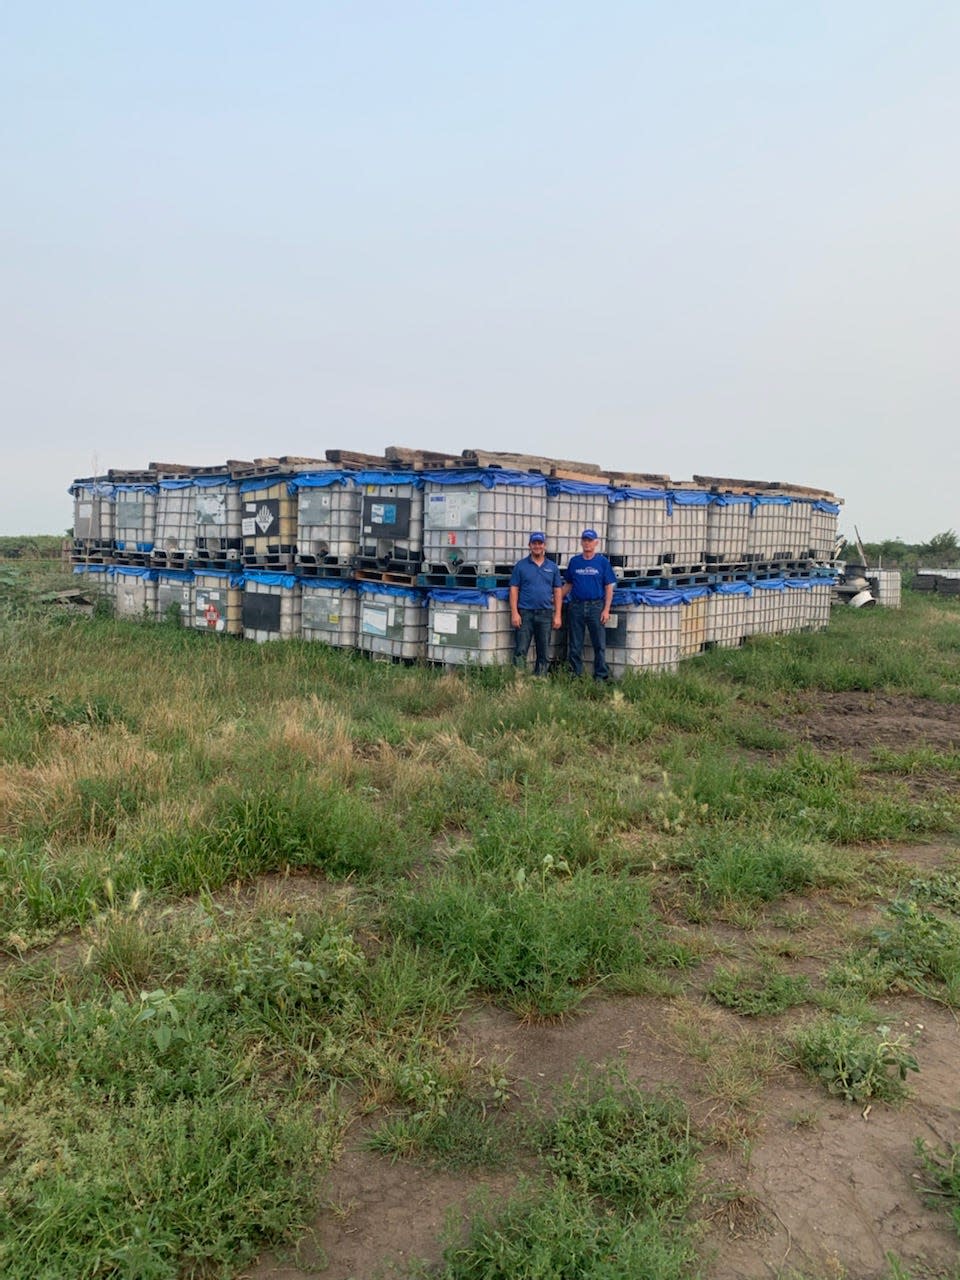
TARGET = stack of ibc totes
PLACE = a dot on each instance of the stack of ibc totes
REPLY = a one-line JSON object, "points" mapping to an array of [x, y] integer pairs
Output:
{"points": [[470, 627], [797, 605], [93, 519], [218, 601], [393, 621], [573, 506], [328, 520], [635, 531], [271, 606], [330, 611], [198, 517], [391, 520], [730, 604], [135, 518], [823, 529], [479, 520]]}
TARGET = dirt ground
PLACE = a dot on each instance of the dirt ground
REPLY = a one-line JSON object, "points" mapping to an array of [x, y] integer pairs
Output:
{"points": [[817, 1187]]}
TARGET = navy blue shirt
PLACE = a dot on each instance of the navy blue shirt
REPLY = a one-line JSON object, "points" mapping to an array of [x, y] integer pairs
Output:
{"points": [[589, 577], [536, 582]]}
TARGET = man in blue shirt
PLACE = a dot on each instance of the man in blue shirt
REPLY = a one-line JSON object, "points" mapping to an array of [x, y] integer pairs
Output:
{"points": [[589, 588], [535, 599]]}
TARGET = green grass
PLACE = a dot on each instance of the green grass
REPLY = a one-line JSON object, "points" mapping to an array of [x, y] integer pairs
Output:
{"points": [[269, 879]]}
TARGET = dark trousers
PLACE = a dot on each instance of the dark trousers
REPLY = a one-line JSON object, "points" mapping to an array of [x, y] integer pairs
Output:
{"points": [[584, 615], [535, 625]]}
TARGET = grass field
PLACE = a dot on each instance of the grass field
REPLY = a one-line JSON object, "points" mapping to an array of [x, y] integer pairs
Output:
{"points": [[249, 896]]}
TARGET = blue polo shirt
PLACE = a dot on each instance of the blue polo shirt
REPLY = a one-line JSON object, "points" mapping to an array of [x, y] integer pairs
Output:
{"points": [[536, 582], [589, 577]]}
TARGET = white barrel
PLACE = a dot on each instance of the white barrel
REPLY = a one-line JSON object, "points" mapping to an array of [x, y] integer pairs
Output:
{"points": [[635, 531], [330, 611], [217, 602], [728, 528], [271, 606], [470, 627], [573, 506], [390, 534], [174, 596], [328, 519], [393, 621], [135, 518], [728, 606], [134, 591], [479, 521], [685, 530]]}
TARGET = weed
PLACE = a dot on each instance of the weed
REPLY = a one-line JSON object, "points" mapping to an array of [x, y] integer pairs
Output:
{"points": [[757, 991], [942, 1167], [854, 1062]]}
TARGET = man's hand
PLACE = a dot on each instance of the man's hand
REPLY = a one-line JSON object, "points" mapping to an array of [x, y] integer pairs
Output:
{"points": [[557, 622], [515, 618]]}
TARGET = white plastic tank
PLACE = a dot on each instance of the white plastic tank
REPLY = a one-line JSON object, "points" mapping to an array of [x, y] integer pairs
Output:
{"points": [[769, 527], [197, 512], [135, 518], [93, 514], [765, 616], [391, 520], [478, 520], [823, 528], [328, 520], [685, 531], [643, 632], [798, 604], [886, 584], [134, 591], [268, 521], [728, 528], [635, 531], [330, 611], [392, 621], [573, 506], [271, 606], [729, 605], [469, 627], [217, 602], [694, 618]]}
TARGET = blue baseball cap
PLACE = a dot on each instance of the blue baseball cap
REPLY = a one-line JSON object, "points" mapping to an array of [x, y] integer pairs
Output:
{"points": [[589, 533], [536, 536]]}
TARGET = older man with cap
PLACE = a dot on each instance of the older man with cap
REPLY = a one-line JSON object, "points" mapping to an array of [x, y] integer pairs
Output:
{"points": [[588, 587], [535, 600]]}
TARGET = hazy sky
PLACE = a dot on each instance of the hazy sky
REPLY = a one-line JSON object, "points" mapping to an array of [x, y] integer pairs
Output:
{"points": [[694, 237]]}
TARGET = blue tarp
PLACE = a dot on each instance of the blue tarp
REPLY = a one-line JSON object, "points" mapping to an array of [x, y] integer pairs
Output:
{"points": [[831, 508], [413, 478], [268, 579], [315, 480], [598, 490], [328, 584], [763, 500], [730, 499], [770, 584], [136, 488], [689, 497], [487, 477], [235, 578], [91, 568], [388, 589], [95, 488], [733, 589], [799, 584], [652, 597], [452, 595], [136, 546], [175, 575], [693, 593], [131, 571], [637, 495], [252, 483]]}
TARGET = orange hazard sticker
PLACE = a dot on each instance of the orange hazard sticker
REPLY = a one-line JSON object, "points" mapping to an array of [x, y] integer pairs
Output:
{"points": [[452, 539], [212, 615]]}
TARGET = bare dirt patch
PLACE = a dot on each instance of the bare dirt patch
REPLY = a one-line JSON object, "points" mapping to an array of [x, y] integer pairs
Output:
{"points": [[855, 723]]}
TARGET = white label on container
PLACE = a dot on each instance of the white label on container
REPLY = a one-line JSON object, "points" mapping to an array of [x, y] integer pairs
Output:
{"points": [[392, 616], [248, 527], [373, 621], [474, 622], [445, 623]]}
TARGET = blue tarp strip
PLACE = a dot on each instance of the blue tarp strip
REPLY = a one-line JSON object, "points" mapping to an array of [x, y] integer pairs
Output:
{"points": [[254, 483], [236, 579], [729, 499], [136, 488], [268, 579], [328, 584], [800, 584], [653, 597], [771, 584], [638, 495], [690, 498], [486, 477], [98, 489], [175, 575], [734, 589], [316, 480], [694, 593], [451, 595], [413, 478], [555, 487], [761, 500], [130, 571], [387, 589], [90, 568], [830, 508]]}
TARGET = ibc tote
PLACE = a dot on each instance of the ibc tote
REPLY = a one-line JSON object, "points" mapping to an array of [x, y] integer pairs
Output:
{"points": [[727, 614], [479, 520], [470, 627]]}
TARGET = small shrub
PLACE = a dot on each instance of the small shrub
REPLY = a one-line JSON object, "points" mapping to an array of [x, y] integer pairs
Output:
{"points": [[757, 991], [853, 1062]]}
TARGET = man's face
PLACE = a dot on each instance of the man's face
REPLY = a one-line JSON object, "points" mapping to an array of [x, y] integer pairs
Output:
{"points": [[589, 546], [537, 550]]}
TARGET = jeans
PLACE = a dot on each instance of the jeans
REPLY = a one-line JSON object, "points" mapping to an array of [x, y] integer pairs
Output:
{"points": [[581, 615], [536, 625]]}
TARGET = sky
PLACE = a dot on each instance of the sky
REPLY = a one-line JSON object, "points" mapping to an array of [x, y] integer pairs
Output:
{"points": [[685, 238]]}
